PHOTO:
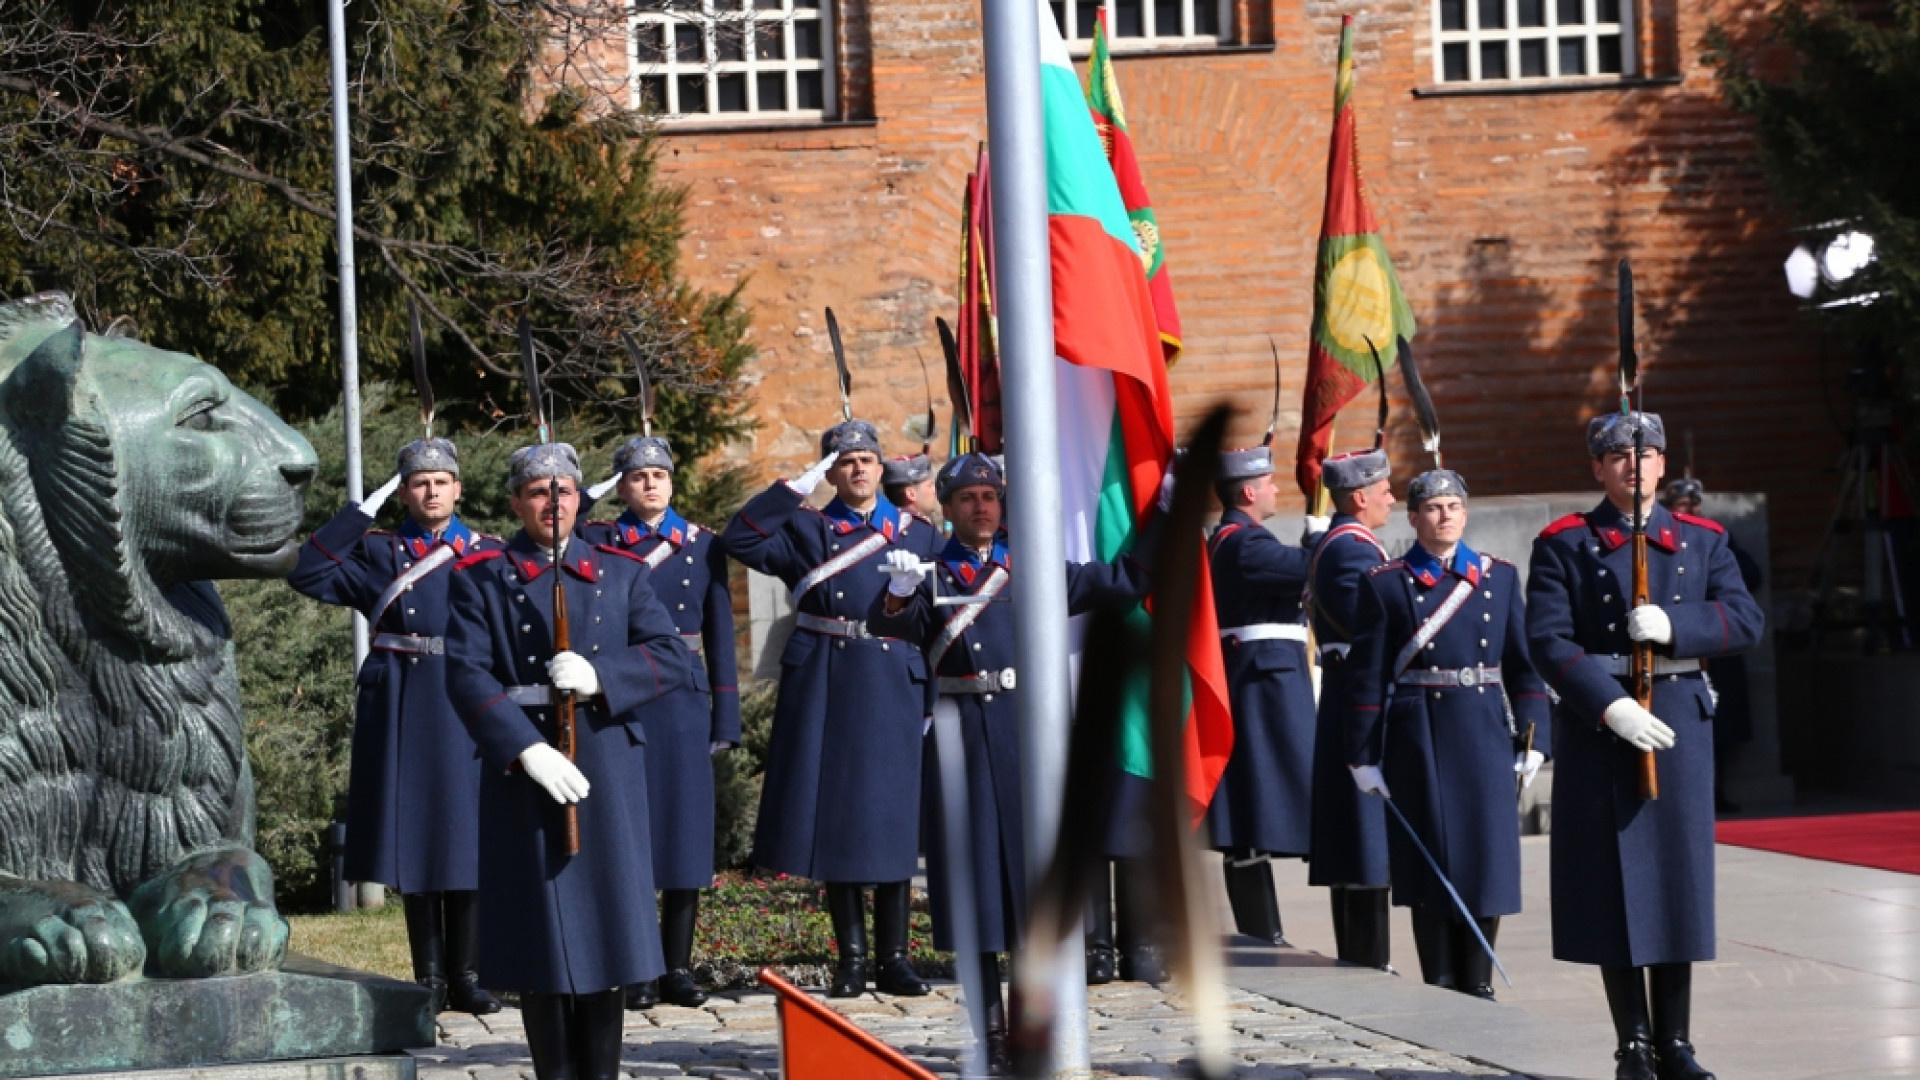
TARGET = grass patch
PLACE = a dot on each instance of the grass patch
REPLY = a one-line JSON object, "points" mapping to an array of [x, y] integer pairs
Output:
{"points": [[746, 923]]}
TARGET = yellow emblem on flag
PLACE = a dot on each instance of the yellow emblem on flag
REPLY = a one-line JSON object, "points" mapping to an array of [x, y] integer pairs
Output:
{"points": [[1359, 299]]}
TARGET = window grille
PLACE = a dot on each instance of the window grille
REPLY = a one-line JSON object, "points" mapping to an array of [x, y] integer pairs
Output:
{"points": [[1516, 41], [724, 60], [1145, 24]]}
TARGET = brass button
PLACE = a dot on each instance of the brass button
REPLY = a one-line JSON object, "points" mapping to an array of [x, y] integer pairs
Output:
{"points": [[1679, 569], [413, 659], [679, 607], [976, 646], [531, 660], [883, 647], [1607, 599], [839, 644], [409, 611], [986, 697], [1486, 616], [596, 648], [526, 628]]}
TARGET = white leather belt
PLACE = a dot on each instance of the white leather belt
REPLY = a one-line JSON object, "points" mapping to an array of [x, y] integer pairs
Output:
{"points": [[832, 627], [531, 697], [1478, 675], [983, 682], [1265, 631], [415, 644], [1622, 666]]}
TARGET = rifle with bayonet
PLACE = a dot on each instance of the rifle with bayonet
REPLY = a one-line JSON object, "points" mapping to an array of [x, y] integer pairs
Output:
{"points": [[1641, 670], [566, 727]]}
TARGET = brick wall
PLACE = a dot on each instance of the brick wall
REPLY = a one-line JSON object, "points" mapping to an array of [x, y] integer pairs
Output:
{"points": [[1505, 214]]}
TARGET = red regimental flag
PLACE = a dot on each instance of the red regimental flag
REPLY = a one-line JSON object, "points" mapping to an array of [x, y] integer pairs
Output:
{"points": [[1356, 294], [976, 333], [1110, 120]]}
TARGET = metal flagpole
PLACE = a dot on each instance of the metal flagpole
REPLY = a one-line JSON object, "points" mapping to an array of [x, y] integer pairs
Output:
{"points": [[343, 240], [1017, 140]]}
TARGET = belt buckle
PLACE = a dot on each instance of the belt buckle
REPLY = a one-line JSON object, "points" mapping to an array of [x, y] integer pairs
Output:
{"points": [[1006, 678], [434, 646], [1469, 677]]}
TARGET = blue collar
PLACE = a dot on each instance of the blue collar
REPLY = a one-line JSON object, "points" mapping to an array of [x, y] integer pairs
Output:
{"points": [[1429, 571], [672, 528], [965, 562], [419, 541], [885, 518]]}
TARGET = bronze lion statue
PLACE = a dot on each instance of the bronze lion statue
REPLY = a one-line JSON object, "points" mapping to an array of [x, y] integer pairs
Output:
{"points": [[130, 479]]}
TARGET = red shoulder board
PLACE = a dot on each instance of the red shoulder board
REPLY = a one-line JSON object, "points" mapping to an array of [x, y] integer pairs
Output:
{"points": [[1571, 521], [620, 551], [1705, 523], [477, 558]]}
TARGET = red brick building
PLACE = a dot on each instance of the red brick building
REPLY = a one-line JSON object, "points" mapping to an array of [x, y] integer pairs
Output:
{"points": [[1514, 149]]}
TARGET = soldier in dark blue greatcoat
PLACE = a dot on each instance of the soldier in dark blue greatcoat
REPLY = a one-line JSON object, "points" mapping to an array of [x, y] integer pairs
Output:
{"points": [[970, 649], [684, 730], [1444, 698], [1348, 847], [841, 799], [1633, 878], [568, 932], [1263, 805], [413, 795], [907, 482]]}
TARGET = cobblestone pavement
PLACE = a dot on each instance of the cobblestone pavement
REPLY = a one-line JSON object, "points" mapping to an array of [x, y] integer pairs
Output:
{"points": [[1137, 1031]]}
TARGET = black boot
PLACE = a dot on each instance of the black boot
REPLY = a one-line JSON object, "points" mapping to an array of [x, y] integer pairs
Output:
{"points": [[994, 1045], [679, 911], [892, 917], [847, 907], [548, 1019], [1256, 909], [1472, 966], [599, 1022], [643, 995], [1369, 939], [426, 937], [1433, 940], [462, 912], [1139, 959], [1100, 966], [1337, 900], [1672, 1015], [1627, 1000]]}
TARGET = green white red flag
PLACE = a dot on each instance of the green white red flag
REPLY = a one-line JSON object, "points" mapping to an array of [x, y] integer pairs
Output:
{"points": [[1110, 120], [1356, 294]]}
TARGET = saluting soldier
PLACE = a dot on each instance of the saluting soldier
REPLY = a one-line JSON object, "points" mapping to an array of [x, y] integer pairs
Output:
{"points": [[568, 932], [684, 730], [1444, 701], [1632, 878], [907, 482], [1349, 839], [413, 793], [970, 649], [841, 799], [1263, 806]]}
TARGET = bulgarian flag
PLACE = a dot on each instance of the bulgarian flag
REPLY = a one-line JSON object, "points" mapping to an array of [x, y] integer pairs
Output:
{"points": [[1116, 411], [1110, 120], [1356, 295]]}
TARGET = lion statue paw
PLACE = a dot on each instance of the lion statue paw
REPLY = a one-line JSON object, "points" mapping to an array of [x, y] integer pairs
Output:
{"points": [[65, 932], [210, 915]]}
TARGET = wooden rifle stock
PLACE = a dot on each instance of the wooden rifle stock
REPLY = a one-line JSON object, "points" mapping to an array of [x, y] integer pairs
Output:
{"points": [[567, 734], [1642, 670]]}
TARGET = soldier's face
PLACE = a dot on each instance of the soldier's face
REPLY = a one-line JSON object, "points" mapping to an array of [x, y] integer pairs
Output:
{"points": [[918, 496], [1265, 497], [1615, 473], [974, 513], [1373, 504], [855, 476], [534, 505], [1439, 521], [430, 498], [647, 491]]}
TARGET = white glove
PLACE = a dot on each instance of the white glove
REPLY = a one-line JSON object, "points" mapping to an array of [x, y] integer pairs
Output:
{"points": [[1526, 765], [551, 770], [1640, 728], [1369, 780], [807, 481], [713, 749], [1649, 623], [378, 497], [904, 572], [1318, 524], [571, 672], [1165, 499], [599, 490]]}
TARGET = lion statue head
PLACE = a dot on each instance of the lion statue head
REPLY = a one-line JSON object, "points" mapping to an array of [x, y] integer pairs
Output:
{"points": [[130, 477]]}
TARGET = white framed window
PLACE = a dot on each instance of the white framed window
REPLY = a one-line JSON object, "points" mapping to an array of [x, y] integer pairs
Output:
{"points": [[732, 60], [1134, 25], [1518, 41]]}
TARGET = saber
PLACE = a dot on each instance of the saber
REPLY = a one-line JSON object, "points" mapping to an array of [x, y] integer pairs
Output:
{"points": [[422, 385], [928, 569], [957, 390], [840, 368], [1423, 410], [1380, 373], [1273, 418], [646, 384], [1459, 904], [932, 426]]}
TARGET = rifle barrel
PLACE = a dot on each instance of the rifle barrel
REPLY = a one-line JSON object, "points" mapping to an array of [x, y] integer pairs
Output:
{"points": [[567, 735], [1642, 670]]}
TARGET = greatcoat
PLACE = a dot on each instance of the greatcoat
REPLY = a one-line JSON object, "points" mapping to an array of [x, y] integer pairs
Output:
{"points": [[1349, 838]]}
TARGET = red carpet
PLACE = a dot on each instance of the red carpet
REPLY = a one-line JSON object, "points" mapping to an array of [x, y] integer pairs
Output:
{"points": [[1884, 841]]}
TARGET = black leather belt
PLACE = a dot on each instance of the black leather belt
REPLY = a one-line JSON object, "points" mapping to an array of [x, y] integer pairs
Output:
{"points": [[414, 644]]}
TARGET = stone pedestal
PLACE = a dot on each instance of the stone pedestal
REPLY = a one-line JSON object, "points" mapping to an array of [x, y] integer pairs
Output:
{"points": [[309, 1010]]}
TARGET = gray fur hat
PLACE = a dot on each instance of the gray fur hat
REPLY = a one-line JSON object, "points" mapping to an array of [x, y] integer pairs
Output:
{"points": [[1614, 431], [540, 462], [906, 471], [1355, 469], [1246, 464], [643, 452], [1686, 487], [1433, 484], [850, 437], [429, 455], [969, 470]]}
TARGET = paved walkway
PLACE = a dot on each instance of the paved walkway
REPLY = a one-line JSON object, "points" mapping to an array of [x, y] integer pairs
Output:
{"points": [[1137, 1031]]}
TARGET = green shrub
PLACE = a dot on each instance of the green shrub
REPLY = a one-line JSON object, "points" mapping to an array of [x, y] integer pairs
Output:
{"points": [[736, 779]]}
